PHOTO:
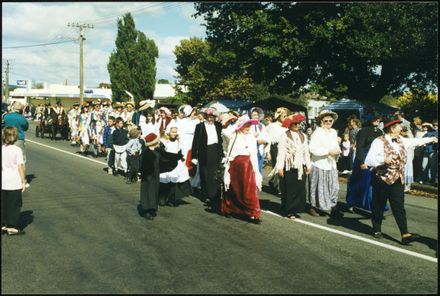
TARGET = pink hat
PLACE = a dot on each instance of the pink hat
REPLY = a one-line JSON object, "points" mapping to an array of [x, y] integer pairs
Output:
{"points": [[243, 120], [209, 111], [166, 110]]}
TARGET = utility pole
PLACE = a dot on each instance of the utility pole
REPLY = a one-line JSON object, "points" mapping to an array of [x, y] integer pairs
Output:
{"points": [[81, 56], [7, 82]]}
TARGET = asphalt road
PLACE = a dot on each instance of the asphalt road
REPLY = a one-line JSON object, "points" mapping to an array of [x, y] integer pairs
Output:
{"points": [[84, 235]]}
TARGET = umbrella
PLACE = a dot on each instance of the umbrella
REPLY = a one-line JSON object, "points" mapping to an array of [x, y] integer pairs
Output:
{"points": [[218, 106]]}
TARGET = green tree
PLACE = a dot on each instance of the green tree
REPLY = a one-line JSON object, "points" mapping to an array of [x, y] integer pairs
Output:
{"points": [[132, 65], [356, 50], [210, 74], [163, 81]]}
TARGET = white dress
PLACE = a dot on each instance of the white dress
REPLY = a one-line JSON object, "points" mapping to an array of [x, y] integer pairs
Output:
{"points": [[180, 173]]}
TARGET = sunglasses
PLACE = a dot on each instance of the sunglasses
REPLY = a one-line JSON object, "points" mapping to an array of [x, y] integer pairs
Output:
{"points": [[328, 120]]}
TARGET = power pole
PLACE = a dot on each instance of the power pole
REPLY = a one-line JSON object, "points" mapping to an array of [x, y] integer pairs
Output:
{"points": [[7, 82], [81, 56]]}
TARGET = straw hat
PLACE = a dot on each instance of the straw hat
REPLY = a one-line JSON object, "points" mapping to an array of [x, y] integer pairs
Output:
{"points": [[118, 105], [226, 118], [280, 111], [145, 104], [129, 103], [324, 113]]}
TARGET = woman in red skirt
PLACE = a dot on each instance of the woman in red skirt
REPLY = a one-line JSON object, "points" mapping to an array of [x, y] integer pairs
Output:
{"points": [[242, 177]]}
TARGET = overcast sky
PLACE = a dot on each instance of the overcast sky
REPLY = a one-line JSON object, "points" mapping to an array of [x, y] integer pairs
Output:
{"points": [[37, 23]]}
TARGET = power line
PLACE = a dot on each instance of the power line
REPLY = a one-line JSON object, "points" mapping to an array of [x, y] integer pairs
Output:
{"points": [[36, 45], [103, 19]]}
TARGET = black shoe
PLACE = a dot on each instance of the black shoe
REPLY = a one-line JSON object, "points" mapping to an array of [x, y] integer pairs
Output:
{"points": [[378, 235], [170, 204], [336, 214], [254, 220], [149, 216], [409, 239]]}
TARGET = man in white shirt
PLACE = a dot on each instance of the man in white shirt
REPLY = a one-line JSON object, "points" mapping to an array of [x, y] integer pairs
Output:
{"points": [[387, 157]]}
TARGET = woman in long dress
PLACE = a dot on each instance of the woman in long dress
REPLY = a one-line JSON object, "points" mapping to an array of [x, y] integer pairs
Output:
{"points": [[242, 178], [324, 149], [293, 166], [359, 189]]}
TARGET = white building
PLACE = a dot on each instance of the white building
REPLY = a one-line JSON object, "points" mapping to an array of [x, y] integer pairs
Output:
{"points": [[69, 94]]}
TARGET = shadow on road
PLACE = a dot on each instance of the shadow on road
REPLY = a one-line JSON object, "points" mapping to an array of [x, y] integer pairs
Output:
{"points": [[25, 219], [30, 177], [429, 242], [274, 207]]}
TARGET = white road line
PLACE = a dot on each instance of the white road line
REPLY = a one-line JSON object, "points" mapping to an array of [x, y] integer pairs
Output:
{"points": [[432, 259], [70, 153], [370, 241]]}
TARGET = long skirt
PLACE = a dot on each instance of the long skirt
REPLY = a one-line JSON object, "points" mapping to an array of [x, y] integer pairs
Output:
{"points": [[150, 193], [11, 202], [242, 196], [359, 189], [293, 192], [172, 192], [209, 179], [324, 188]]}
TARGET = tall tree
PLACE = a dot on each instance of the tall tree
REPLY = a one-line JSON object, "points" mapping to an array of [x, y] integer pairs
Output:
{"points": [[132, 65], [211, 74], [359, 50]]}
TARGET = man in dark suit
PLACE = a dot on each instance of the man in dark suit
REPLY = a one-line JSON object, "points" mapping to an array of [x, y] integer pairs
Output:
{"points": [[207, 151]]}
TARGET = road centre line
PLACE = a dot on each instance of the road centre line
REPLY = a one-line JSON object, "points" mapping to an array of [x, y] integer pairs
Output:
{"points": [[70, 153], [370, 241], [367, 240]]}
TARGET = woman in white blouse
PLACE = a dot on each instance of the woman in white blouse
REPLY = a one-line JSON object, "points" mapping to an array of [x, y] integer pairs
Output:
{"points": [[242, 178], [325, 151]]}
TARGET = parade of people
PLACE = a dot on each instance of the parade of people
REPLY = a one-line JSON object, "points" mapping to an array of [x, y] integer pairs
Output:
{"points": [[220, 148]]}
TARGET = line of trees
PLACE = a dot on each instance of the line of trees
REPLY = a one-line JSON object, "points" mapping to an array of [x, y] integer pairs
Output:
{"points": [[356, 50]]}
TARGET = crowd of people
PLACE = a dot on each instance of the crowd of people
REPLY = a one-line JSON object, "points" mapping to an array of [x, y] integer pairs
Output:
{"points": [[222, 157]]}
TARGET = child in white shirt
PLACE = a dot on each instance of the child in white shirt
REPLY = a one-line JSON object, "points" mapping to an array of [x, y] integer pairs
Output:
{"points": [[13, 181]]}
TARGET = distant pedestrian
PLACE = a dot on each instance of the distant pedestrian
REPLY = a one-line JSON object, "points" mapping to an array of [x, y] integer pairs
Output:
{"points": [[13, 181], [344, 159], [17, 120], [134, 149], [120, 140], [108, 144], [430, 157]]}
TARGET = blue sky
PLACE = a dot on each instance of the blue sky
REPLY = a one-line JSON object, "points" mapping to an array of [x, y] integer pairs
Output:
{"points": [[30, 23]]}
